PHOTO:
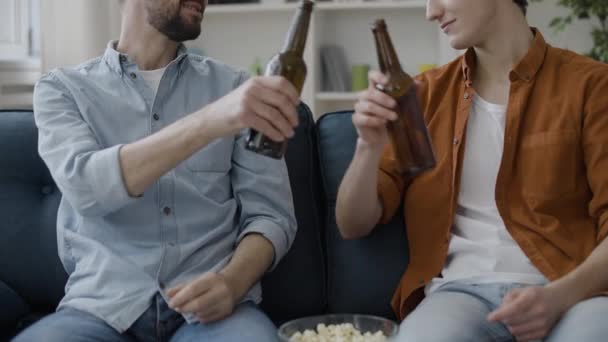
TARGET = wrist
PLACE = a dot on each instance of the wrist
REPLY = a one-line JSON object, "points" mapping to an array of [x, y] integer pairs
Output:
{"points": [[368, 151], [233, 284], [367, 154], [566, 292]]}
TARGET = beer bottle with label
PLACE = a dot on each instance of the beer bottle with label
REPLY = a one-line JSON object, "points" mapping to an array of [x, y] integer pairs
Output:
{"points": [[288, 63], [408, 134]]}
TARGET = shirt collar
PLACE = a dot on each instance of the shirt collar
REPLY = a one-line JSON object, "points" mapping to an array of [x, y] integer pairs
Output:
{"points": [[116, 60], [527, 68]]}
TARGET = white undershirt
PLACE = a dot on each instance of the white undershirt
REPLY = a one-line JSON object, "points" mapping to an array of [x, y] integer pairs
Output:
{"points": [[481, 249], [153, 77]]}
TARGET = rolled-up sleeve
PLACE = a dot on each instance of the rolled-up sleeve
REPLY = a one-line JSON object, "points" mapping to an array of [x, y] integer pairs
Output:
{"points": [[88, 175], [391, 185], [261, 187], [595, 147]]}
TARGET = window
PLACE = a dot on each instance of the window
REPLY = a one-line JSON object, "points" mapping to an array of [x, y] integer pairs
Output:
{"points": [[19, 29], [19, 52]]}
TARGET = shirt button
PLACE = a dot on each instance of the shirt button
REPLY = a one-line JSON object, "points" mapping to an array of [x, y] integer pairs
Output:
{"points": [[133, 75], [167, 211], [456, 141], [156, 117]]}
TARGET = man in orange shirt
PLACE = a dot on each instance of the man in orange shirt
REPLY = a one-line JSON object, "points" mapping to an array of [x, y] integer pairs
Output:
{"points": [[507, 232]]}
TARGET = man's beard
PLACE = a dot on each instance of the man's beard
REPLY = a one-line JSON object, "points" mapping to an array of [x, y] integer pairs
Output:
{"points": [[170, 23]]}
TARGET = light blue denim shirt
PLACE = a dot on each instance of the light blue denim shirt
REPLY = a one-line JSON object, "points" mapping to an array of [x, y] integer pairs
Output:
{"points": [[120, 251]]}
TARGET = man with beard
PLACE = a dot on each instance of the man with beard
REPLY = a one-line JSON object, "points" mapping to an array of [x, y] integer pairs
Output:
{"points": [[166, 223]]}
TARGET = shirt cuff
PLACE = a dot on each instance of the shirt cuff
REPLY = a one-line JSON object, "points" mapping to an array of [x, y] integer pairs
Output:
{"points": [[108, 183], [271, 231]]}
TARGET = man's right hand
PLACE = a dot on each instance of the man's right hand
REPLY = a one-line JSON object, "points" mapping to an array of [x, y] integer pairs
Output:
{"points": [[372, 111], [266, 104]]}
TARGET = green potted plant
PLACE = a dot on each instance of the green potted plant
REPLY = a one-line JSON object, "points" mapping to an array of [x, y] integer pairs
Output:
{"points": [[585, 10]]}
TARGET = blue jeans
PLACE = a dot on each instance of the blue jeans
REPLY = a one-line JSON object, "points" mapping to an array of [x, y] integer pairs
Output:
{"points": [[158, 323], [457, 312]]}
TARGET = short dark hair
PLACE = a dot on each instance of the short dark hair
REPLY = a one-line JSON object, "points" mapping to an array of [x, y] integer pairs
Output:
{"points": [[523, 4]]}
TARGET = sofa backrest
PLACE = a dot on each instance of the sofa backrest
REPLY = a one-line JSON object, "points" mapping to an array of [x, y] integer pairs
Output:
{"points": [[362, 274], [29, 264], [296, 287]]}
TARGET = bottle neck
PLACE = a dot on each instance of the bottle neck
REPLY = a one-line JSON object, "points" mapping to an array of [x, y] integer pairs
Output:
{"points": [[298, 31], [387, 57]]}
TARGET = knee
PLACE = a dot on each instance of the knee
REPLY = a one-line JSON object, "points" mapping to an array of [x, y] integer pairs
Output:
{"points": [[412, 330], [415, 329], [584, 322], [255, 326], [250, 323], [39, 332]]}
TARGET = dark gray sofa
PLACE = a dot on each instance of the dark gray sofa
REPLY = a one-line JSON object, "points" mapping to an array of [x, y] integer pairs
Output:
{"points": [[322, 273]]}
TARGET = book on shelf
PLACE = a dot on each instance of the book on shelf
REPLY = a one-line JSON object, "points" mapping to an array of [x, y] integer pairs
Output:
{"points": [[334, 69]]}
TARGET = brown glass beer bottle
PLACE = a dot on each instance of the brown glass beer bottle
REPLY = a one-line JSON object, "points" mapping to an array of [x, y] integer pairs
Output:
{"points": [[288, 63], [408, 134]]}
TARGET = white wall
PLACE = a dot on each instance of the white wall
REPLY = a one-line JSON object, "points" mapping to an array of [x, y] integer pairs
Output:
{"points": [[75, 31], [576, 37]]}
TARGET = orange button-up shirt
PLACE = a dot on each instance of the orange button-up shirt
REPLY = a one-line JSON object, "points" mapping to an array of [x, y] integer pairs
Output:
{"points": [[552, 186]]}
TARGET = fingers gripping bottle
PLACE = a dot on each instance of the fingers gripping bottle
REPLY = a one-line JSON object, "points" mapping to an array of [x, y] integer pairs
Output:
{"points": [[288, 63], [408, 134]]}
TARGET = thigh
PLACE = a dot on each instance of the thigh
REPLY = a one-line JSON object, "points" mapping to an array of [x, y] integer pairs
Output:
{"points": [[247, 323], [447, 316], [70, 325], [586, 321]]}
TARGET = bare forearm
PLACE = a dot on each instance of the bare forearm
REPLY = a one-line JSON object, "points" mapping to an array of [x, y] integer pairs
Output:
{"points": [[146, 160], [588, 279], [252, 258], [358, 208]]}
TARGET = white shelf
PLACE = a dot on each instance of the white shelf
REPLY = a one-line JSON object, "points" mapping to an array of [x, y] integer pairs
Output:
{"points": [[238, 34], [319, 6], [248, 8], [370, 5], [337, 96], [22, 64]]}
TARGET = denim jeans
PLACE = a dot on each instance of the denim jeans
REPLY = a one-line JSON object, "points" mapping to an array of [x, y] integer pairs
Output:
{"points": [[457, 312], [158, 323]]}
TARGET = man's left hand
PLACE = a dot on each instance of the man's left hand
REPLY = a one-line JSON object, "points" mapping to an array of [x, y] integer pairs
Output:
{"points": [[210, 297], [530, 313]]}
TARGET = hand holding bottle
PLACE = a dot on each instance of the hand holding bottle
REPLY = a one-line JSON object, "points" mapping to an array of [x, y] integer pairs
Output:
{"points": [[373, 110], [266, 104]]}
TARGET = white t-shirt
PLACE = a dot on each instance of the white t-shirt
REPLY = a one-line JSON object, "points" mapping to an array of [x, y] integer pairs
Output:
{"points": [[481, 249], [153, 77]]}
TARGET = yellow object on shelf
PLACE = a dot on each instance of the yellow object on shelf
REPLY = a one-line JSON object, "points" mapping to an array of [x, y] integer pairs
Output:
{"points": [[426, 67]]}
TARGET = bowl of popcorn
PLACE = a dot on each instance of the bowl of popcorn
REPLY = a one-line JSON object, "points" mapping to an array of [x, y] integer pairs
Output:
{"points": [[339, 328]]}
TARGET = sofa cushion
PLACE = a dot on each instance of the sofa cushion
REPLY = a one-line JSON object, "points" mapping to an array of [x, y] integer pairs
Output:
{"points": [[297, 286], [29, 262], [362, 274], [12, 309]]}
